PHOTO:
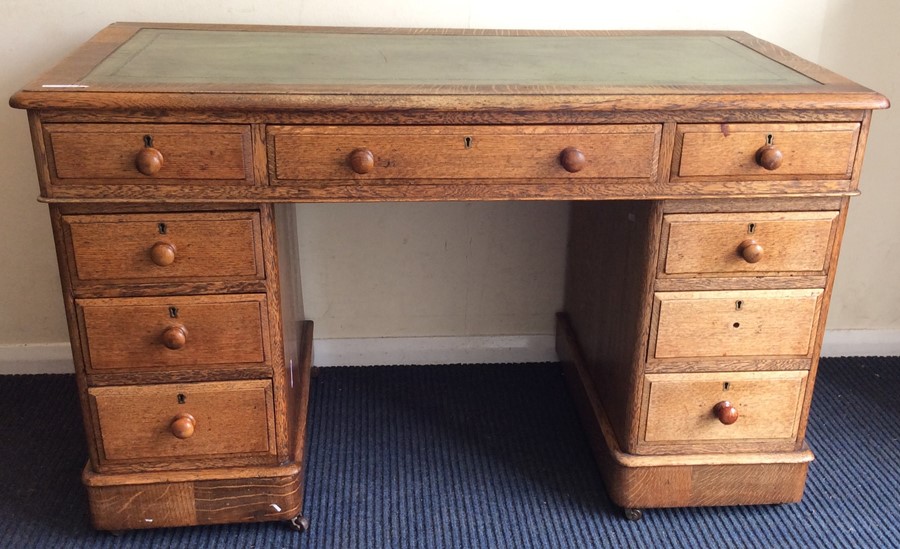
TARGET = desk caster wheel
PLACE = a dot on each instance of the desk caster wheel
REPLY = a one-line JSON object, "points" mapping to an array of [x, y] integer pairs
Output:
{"points": [[299, 523], [633, 514]]}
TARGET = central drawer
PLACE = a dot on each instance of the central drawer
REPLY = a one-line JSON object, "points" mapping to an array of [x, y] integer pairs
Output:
{"points": [[741, 323], [353, 154], [158, 333], [232, 420]]}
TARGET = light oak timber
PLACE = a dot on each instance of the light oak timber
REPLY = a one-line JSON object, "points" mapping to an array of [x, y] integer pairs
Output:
{"points": [[679, 408], [64, 259], [83, 153], [215, 496], [730, 150], [233, 419], [753, 364], [228, 372], [317, 153], [729, 205], [608, 298], [282, 378], [189, 497], [414, 190], [127, 289], [130, 333], [823, 312], [661, 166], [711, 244], [634, 481], [750, 282], [300, 116], [296, 332], [860, 149], [734, 323], [118, 248]]}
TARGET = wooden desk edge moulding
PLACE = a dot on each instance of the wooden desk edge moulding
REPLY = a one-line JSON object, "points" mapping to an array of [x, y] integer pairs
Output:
{"points": [[709, 175]]}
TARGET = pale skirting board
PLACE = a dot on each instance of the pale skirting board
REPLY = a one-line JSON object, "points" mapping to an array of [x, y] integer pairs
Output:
{"points": [[56, 358]]}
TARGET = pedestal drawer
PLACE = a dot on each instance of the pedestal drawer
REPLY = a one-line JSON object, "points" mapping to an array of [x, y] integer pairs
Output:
{"points": [[161, 333], [736, 406], [734, 323], [747, 243], [165, 246], [232, 419], [149, 153]]}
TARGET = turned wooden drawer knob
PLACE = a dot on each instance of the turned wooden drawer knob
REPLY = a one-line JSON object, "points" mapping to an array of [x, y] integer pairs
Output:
{"points": [[183, 426], [163, 253], [572, 160], [361, 161], [175, 337], [769, 157], [751, 251], [149, 161], [726, 413]]}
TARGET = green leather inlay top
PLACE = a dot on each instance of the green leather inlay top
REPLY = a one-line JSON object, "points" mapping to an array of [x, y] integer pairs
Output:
{"points": [[161, 56]]}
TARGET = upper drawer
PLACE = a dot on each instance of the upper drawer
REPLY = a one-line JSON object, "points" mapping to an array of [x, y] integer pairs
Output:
{"points": [[747, 243], [149, 154], [155, 333], [743, 323], [765, 151], [165, 246], [334, 153], [231, 421]]}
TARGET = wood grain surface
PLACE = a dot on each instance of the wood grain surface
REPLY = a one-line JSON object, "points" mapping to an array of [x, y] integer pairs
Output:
{"points": [[204, 246]]}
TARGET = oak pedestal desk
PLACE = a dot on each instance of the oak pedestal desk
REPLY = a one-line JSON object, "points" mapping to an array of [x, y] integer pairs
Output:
{"points": [[709, 176]]}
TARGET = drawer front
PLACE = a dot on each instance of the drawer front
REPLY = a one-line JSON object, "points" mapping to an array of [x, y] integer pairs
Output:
{"points": [[165, 247], [762, 323], [686, 408], [191, 420], [352, 154], [157, 333], [148, 153], [747, 243], [817, 151]]}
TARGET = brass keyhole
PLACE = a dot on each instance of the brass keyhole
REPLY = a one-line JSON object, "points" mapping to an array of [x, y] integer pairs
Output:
{"points": [[162, 228], [751, 228], [468, 142], [770, 139], [148, 141], [738, 305], [726, 386], [181, 398], [173, 312]]}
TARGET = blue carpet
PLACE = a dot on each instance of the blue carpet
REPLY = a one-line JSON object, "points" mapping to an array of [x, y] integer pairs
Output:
{"points": [[472, 456]]}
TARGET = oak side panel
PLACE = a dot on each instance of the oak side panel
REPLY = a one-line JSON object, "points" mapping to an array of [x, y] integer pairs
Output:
{"points": [[611, 263], [63, 260], [823, 315], [280, 373], [296, 333]]}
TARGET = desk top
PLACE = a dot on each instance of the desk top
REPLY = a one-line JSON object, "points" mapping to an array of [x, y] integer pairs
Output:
{"points": [[130, 65]]}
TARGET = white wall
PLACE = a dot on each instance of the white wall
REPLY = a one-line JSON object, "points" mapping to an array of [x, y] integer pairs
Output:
{"points": [[451, 269]]}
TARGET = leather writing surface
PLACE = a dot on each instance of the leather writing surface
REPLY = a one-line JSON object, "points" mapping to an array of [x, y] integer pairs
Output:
{"points": [[175, 56]]}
